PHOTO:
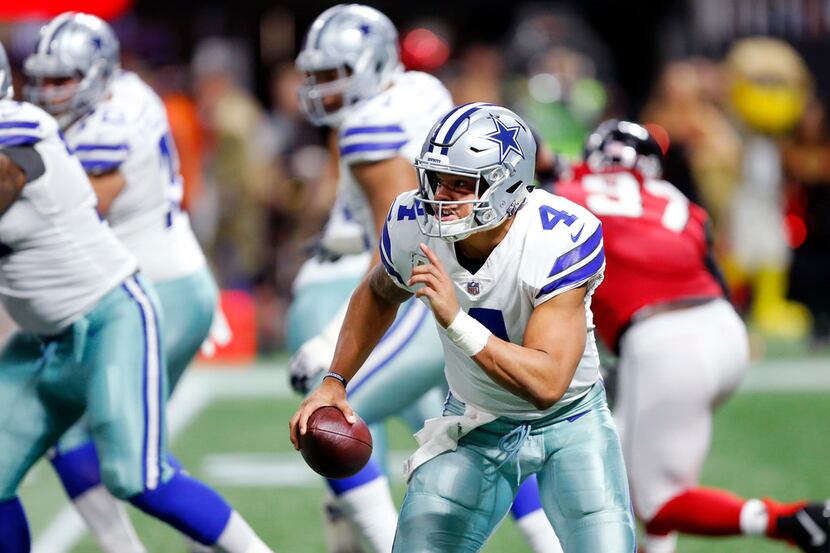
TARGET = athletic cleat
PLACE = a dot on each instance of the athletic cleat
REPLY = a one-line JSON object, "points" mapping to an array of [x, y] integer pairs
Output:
{"points": [[808, 528]]}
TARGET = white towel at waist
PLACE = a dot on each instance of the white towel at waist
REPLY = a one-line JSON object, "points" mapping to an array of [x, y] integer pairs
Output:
{"points": [[442, 434]]}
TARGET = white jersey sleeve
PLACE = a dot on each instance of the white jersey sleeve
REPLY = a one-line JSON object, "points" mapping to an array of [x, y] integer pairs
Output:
{"points": [[567, 250], [102, 143], [23, 124], [394, 123], [371, 140], [399, 251]]}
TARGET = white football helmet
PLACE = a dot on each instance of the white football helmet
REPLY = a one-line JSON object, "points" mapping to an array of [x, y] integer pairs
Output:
{"points": [[358, 42], [75, 46], [484, 141]]}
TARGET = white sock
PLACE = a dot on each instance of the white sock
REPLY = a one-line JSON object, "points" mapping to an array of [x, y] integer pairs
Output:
{"points": [[371, 509], [107, 520], [539, 534], [339, 534], [754, 518], [660, 544], [238, 537]]}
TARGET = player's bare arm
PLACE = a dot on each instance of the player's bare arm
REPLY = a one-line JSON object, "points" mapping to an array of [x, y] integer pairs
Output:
{"points": [[541, 369], [12, 179], [107, 187], [382, 182], [372, 309]]}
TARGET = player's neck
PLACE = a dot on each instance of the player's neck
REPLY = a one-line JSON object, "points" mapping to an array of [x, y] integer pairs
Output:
{"points": [[481, 244]]}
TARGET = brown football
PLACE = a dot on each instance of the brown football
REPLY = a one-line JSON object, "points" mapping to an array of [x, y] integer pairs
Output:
{"points": [[334, 448]]}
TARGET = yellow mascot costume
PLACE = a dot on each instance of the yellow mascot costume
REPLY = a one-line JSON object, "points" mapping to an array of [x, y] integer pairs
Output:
{"points": [[769, 89]]}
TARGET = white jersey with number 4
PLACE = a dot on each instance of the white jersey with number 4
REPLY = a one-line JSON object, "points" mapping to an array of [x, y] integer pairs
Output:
{"points": [[394, 123], [129, 133], [553, 246], [57, 256]]}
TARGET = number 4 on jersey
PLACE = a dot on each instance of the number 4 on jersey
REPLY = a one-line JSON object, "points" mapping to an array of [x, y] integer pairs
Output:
{"points": [[551, 217]]}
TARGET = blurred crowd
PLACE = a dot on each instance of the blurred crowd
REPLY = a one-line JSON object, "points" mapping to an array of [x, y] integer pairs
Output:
{"points": [[745, 131]]}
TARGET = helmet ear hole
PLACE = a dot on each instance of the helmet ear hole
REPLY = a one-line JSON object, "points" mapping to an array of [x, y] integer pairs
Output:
{"points": [[514, 187]]}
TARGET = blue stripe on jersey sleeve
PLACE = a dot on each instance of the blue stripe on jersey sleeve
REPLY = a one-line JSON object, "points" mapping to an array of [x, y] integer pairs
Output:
{"points": [[19, 125], [577, 254], [386, 243], [386, 255], [107, 147], [100, 165], [372, 130], [18, 140], [369, 147], [582, 274]]}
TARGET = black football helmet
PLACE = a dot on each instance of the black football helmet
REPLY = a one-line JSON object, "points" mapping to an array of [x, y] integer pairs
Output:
{"points": [[625, 144]]}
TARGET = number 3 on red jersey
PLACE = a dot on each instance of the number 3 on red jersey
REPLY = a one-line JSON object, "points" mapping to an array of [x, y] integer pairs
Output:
{"points": [[618, 194]]}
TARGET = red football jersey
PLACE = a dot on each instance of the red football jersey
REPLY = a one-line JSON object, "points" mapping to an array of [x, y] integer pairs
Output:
{"points": [[655, 245]]}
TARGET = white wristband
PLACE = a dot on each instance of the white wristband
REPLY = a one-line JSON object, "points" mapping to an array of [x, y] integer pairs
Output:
{"points": [[468, 334]]}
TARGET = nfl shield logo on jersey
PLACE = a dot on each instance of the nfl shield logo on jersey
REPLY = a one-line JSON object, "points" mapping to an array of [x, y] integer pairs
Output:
{"points": [[473, 288]]}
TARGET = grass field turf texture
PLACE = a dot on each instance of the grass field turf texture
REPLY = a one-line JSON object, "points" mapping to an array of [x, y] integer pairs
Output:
{"points": [[766, 443]]}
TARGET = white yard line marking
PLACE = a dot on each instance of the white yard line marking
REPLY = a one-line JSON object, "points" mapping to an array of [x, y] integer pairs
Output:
{"points": [[804, 375]]}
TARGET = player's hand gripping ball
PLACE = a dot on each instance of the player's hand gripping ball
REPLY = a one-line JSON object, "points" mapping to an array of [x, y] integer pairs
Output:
{"points": [[334, 448]]}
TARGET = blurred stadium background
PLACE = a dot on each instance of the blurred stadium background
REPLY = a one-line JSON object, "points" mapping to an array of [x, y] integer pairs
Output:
{"points": [[747, 124]]}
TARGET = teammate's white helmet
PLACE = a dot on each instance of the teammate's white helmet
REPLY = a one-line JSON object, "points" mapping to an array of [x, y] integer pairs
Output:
{"points": [[358, 42], [6, 90], [77, 46], [486, 142]]}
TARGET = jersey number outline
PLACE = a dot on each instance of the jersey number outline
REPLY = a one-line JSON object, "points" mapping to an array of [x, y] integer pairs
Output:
{"points": [[551, 217], [493, 319], [618, 194]]}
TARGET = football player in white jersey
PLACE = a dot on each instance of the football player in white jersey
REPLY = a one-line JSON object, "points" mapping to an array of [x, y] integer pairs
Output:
{"points": [[382, 114], [89, 341], [355, 84], [508, 275], [117, 126]]}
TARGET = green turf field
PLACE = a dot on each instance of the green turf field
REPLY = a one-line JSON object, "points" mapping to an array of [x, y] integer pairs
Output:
{"points": [[765, 444]]}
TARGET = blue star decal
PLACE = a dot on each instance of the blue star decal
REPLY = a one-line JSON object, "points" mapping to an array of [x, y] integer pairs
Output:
{"points": [[506, 138], [364, 29], [96, 42]]}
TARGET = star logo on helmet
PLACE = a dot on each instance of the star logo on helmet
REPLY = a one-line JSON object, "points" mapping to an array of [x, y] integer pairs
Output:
{"points": [[507, 139], [365, 29]]}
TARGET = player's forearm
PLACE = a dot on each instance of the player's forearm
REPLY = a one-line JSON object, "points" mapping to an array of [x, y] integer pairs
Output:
{"points": [[368, 317], [106, 188], [538, 377]]}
